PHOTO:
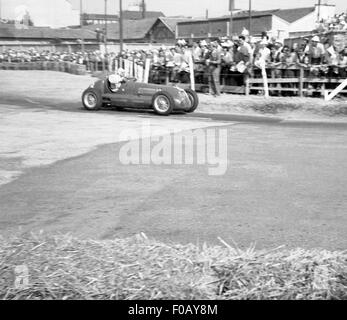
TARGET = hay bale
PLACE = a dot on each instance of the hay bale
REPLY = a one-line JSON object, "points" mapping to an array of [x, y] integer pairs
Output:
{"points": [[64, 267]]}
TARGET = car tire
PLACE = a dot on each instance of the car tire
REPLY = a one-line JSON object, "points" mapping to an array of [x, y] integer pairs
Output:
{"points": [[163, 103], [92, 100], [194, 99]]}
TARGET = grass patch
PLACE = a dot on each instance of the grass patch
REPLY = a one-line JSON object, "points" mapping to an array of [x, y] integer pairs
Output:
{"points": [[63, 267]]}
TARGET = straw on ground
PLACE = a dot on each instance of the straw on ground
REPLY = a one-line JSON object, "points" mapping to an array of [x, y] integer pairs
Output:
{"points": [[63, 267]]}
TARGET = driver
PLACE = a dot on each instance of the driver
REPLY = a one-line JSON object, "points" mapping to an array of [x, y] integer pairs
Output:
{"points": [[117, 79]]}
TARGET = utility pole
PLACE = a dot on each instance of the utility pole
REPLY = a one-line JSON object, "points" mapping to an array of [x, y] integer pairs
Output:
{"points": [[105, 36], [143, 9], [121, 24], [231, 8], [81, 25], [319, 7], [250, 18]]}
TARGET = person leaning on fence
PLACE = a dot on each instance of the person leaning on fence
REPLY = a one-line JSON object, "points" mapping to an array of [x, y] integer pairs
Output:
{"points": [[227, 62], [177, 56], [242, 58], [315, 51], [289, 60], [342, 58], [184, 70], [197, 55]]}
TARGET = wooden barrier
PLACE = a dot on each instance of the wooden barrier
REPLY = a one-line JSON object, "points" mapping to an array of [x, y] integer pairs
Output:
{"points": [[299, 85], [67, 67], [335, 92]]}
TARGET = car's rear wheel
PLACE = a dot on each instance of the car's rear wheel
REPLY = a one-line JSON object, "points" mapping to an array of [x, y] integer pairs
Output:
{"points": [[91, 100], [163, 103], [194, 100]]}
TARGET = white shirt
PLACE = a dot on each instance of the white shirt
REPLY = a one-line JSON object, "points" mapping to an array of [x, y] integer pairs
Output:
{"points": [[265, 54]]}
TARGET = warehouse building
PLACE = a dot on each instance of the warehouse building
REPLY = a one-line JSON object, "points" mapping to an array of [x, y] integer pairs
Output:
{"points": [[277, 23]]}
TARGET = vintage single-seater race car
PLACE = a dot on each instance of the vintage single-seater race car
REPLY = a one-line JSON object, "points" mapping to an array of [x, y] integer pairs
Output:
{"points": [[132, 94]]}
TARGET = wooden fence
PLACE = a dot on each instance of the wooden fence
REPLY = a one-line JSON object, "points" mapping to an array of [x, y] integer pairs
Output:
{"points": [[45, 65], [300, 85]]}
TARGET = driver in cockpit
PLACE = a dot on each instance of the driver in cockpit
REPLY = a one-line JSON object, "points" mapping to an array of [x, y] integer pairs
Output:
{"points": [[117, 79]]}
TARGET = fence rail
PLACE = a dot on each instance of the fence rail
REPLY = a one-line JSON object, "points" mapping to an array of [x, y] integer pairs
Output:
{"points": [[45, 65], [301, 85]]}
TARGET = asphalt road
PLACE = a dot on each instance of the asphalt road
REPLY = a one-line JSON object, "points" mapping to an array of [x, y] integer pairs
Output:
{"points": [[285, 185]]}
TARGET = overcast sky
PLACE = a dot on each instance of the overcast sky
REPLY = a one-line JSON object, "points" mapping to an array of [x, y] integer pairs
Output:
{"points": [[198, 7], [194, 8]]}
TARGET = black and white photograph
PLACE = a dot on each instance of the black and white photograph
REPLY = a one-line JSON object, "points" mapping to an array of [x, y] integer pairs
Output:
{"points": [[173, 151]]}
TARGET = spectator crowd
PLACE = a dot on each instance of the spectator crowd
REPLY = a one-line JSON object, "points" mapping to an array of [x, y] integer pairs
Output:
{"points": [[224, 61], [336, 23]]}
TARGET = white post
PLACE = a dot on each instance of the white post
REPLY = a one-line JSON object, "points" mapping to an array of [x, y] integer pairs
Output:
{"points": [[264, 75], [191, 69], [126, 67], [148, 65], [329, 97]]}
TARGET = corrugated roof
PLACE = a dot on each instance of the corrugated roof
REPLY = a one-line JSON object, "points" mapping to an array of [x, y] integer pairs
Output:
{"points": [[127, 15], [292, 15], [132, 29], [289, 15], [11, 31], [171, 23]]}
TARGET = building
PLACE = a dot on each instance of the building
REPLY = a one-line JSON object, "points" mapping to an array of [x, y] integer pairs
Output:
{"points": [[140, 34], [44, 38], [88, 19], [278, 23]]}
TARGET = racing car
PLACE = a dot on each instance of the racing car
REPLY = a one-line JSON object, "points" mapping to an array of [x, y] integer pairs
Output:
{"points": [[132, 94]]}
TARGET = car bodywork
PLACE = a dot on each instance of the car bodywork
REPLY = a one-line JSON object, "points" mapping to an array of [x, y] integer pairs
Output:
{"points": [[133, 94]]}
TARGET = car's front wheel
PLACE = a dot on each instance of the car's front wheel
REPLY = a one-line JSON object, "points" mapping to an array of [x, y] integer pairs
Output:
{"points": [[92, 100], [163, 103], [194, 100]]}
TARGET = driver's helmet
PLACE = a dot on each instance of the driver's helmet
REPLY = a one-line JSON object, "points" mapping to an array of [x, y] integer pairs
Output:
{"points": [[121, 72], [115, 78]]}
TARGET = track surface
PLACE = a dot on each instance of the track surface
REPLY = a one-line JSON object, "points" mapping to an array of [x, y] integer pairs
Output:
{"points": [[285, 184]]}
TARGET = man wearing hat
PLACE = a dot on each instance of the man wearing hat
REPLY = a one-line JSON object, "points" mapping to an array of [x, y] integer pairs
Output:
{"points": [[316, 51]]}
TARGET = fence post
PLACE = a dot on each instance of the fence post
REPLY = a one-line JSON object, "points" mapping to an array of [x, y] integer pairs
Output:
{"points": [[301, 82], [116, 64], [247, 83], [266, 84], [148, 65], [191, 69]]}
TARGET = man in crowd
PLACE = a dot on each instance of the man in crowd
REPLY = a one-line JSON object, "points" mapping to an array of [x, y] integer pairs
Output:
{"points": [[315, 51], [214, 64]]}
